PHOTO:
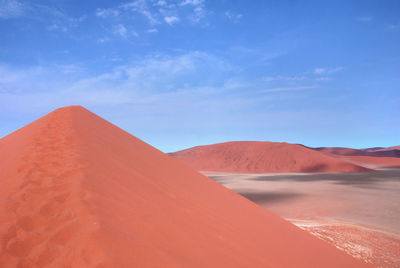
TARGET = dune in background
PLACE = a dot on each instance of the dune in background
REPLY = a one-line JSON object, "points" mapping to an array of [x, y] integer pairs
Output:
{"points": [[378, 152], [389, 148], [373, 162], [370, 158], [262, 157], [76, 191]]}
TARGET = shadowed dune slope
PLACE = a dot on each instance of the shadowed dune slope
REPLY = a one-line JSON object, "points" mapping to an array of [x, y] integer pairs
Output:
{"points": [[371, 149], [385, 152], [390, 148], [77, 191], [262, 157], [341, 151]]}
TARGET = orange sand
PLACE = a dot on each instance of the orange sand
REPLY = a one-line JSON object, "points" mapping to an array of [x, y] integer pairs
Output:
{"points": [[76, 191], [390, 148], [262, 157], [373, 162], [385, 152]]}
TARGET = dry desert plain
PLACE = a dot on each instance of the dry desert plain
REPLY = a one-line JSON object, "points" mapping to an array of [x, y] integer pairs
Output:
{"points": [[358, 213]]}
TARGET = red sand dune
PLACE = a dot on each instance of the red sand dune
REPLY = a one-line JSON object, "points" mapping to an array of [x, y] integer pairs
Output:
{"points": [[372, 149], [390, 148], [341, 151], [261, 157], [76, 191], [373, 162], [380, 158], [386, 152]]}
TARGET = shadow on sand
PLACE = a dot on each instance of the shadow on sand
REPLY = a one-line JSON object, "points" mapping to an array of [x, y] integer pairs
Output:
{"points": [[270, 197], [359, 179]]}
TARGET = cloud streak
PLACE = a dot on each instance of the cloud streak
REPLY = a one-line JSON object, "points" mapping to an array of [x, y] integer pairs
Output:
{"points": [[171, 20], [233, 16], [173, 86], [121, 30], [11, 9], [157, 12], [327, 70], [285, 89]]}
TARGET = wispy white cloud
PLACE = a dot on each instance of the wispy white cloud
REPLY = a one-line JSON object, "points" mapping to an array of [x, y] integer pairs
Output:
{"points": [[69, 68], [121, 30], [143, 80], [155, 90], [327, 70], [282, 89], [198, 9], [198, 14], [319, 70], [56, 27], [285, 78], [159, 90], [323, 78], [108, 12], [142, 7], [171, 20], [192, 2], [260, 54], [11, 9], [164, 4], [233, 16], [157, 12], [161, 3], [54, 19]]}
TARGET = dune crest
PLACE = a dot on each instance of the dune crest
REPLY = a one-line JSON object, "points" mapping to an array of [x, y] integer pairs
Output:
{"points": [[77, 191], [262, 157]]}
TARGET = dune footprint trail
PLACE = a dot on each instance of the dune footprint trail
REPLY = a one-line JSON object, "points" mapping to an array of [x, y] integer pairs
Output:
{"points": [[47, 207], [77, 191]]}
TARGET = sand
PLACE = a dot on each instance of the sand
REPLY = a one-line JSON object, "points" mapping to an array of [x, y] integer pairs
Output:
{"points": [[390, 148], [356, 212], [262, 157], [384, 152], [373, 162], [375, 159], [76, 191]]}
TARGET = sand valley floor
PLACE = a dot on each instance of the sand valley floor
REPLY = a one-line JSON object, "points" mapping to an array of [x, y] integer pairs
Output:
{"points": [[357, 212]]}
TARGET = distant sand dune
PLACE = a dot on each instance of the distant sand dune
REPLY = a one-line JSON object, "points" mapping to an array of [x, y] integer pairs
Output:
{"points": [[384, 152], [373, 162], [262, 157]]}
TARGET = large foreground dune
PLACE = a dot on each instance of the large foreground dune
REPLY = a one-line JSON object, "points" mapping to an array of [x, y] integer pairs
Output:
{"points": [[76, 191], [262, 157]]}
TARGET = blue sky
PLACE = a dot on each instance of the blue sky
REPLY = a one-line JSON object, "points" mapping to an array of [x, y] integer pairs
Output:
{"points": [[182, 73]]}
